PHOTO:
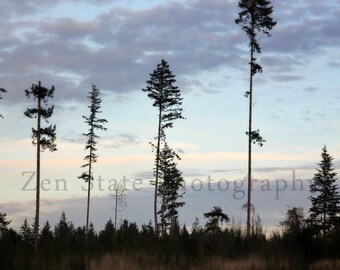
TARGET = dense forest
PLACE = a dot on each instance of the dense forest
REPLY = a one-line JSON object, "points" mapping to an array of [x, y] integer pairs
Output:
{"points": [[307, 238]]}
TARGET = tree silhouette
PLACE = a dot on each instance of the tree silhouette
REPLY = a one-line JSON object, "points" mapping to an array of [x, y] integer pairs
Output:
{"points": [[120, 201], [196, 228], [94, 123], [167, 99], [64, 235], [106, 236], [169, 188], [3, 223], [27, 234], [43, 138], [46, 241], [2, 90], [46, 235], [294, 221], [254, 19], [216, 217], [325, 199]]}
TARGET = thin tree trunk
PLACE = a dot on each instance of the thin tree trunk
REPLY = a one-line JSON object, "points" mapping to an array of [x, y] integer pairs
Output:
{"points": [[88, 197], [37, 200], [162, 216], [116, 210], [249, 136], [157, 172], [324, 225]]}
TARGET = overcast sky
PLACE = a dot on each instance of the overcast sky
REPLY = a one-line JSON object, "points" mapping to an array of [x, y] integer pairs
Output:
{"points": [[115, 44]]}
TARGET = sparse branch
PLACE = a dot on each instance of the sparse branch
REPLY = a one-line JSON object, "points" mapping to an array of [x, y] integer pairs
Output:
{"points": [[42, 137], [256, 137], [254, 19], [94, 124], [2, 90], [119, 201], [216, 218]]}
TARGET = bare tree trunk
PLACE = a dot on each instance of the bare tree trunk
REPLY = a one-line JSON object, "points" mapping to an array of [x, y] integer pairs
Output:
{"points": [[324, 225], [250, 138], [157, 172], [116, 209], [162, 216], [37, 200], [88, 198]]}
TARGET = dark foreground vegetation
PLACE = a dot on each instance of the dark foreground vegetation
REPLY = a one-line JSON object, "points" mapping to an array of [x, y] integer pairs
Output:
{"points": [[131, 247]]}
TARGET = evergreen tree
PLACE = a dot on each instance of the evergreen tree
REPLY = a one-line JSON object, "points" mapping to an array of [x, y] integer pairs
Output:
{"points": [[43, 138], [196, 228], [2, 90], [27, 234], [3, 223], [184, 234], [325, 199], [167, 99], [92, 238], [254, 19], [106, 236], [94, 123], [216, 217], [64, 234], [294, 221], [46, 234], [147, 230], [46, 239], [169, 189]]}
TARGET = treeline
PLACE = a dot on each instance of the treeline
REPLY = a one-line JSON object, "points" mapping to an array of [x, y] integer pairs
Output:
{"points": [[63, 247], [302, 239]]}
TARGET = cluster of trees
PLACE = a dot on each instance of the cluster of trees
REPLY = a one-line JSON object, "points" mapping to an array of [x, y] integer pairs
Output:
{"points": [[168, 178], [323, 219], [302, 239], [167, 99], [64, 246]]}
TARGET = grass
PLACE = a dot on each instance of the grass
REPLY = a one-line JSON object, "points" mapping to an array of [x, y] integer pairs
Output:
{"points": [[143, 262]]}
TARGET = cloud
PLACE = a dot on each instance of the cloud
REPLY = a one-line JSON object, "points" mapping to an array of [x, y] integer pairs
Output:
{"points": [[120, 140], [144, 175], [304, 28], [118, 47], [311, 89], [180, 151], [281, 62], [287, 78]]}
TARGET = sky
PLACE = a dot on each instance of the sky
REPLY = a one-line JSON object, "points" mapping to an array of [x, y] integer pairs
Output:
{"points": [[115, 45]]}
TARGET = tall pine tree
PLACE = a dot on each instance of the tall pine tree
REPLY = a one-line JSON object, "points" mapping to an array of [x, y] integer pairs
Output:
{"points": [[169, 189], [325, 199], [254, 19], [167, 99], [94, 123], [43, 138]]}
